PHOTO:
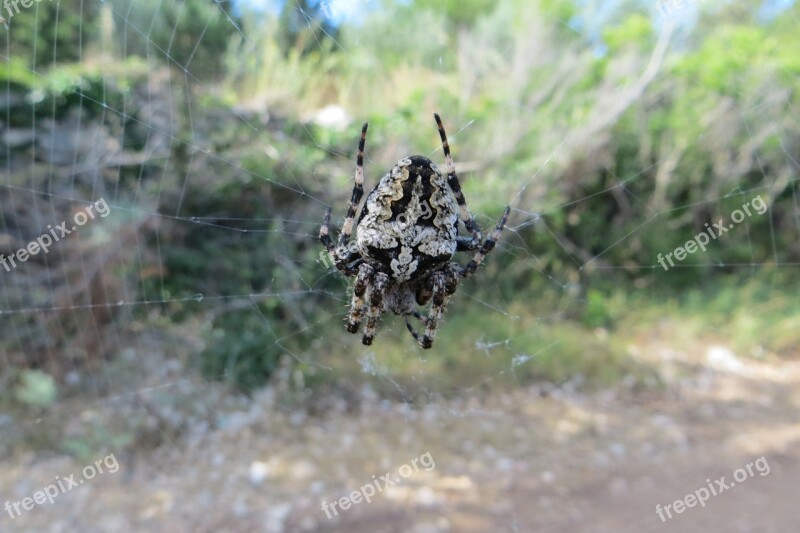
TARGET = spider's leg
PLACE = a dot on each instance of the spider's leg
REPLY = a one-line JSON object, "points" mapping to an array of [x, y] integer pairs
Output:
{"points": [[341, 256], [380, 282], [325, 230], [466, 244], [365, 272], [455, 185], [443, 284], [358, 190], [350, 269], [411, 328], [418, 316], [486, 247]]}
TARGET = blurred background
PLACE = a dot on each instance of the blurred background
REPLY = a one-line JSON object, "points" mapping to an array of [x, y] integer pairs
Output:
{"points": [[195, 333]]}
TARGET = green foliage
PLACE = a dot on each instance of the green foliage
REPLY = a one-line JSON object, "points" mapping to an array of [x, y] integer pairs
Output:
{"points": [[245, 346], [384, 45], [187, 35], [96, 439], [259, 71], [36, 388], [634, 30], [464, 13], [60, 88], [730, 59], [537, 115], [479, 350], [303, 26], [51, 32], [596, 313]]}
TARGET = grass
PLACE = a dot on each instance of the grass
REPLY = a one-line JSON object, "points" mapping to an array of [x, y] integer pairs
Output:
{"points": [[478, 351], [754, 315], [482, 349], [507, 121]]}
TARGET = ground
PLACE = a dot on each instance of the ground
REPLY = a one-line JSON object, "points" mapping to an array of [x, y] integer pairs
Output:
{"points": [[542, 458]]}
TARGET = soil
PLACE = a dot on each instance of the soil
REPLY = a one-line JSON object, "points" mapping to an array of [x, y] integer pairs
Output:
{"points": [[536, 459]]}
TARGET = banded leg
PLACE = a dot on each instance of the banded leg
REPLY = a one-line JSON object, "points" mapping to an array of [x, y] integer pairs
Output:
{"points": [[413, 331], [443, 285], [347, 263], [325, 232], [418, 316], [486, 247], [380, 282], [455, 185], [440, 300], [365, 272], [466, 244], [358, 190]]}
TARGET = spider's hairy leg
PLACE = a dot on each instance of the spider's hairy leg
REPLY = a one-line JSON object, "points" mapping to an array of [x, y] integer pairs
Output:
{"points": [[418, 316], [365, 272], [347, 262], [443, 284], [325, 231], [486, 247], [380, 282], [358, 190], [350, 269], [411, 330], [466, 244], [455, 185]]}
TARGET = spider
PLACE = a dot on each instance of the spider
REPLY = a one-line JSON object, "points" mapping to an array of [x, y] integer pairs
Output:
{"points": [[406, 236]]}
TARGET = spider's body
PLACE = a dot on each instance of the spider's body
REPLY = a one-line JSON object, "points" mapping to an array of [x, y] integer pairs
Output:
{"points": [[406, 236], [409, 223]]}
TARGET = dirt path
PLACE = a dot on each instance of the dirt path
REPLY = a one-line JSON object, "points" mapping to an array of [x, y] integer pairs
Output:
{"points": [[532, 460]]}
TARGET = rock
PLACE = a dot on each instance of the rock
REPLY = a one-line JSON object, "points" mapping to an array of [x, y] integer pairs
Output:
{"points": [[275, 518], [17, 138], [257, 472], [332, 116], [10, 99]]}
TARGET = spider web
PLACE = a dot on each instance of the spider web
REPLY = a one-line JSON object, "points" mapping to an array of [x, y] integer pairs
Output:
{"points": [[35, 298]]}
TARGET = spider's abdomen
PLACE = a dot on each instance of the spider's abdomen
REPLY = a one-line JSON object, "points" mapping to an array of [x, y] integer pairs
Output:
{"points": [[408, 225]]}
